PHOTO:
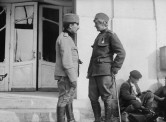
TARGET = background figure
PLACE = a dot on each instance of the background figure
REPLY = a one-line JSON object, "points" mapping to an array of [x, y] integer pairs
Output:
{"points": [[131, 98], [102, 66], [66, 68], [161, 92]]}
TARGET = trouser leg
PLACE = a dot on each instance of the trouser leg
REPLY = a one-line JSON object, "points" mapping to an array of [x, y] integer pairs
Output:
{"points": [[147, 99], [69, 113], [162, 108], [96, 110], [94, 96], [107, 91], [66, 95], [164, 111], [108, 111], [60, 114]]}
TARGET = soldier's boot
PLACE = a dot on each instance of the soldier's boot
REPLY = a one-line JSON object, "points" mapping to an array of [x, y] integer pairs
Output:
{"points": [[69, 113], [108, 112], [60, 114], [111, 110], [96, 111]]}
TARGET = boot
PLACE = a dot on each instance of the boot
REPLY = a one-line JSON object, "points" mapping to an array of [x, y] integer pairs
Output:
{"points": [[108, 112], [96, 110], [111, 110], [60, 114], [69, 113]]}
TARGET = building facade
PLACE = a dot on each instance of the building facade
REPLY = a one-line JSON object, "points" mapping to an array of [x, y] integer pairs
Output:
{"points": [[29, 28]]}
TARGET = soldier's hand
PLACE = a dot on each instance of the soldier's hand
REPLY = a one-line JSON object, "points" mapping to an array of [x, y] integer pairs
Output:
{"points": [[73, 84], [114, 71]]}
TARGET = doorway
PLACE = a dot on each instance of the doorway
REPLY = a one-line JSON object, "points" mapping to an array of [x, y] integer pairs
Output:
{"points": [[50, 25], [4, 45], [23, 47], [28, 33]]}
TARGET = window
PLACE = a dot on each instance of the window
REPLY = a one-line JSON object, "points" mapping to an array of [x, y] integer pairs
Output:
{"points": [[2, 33]]}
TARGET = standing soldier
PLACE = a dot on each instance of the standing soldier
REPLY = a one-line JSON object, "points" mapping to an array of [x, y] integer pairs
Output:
{"points": [[102, 66], [66, 68]]}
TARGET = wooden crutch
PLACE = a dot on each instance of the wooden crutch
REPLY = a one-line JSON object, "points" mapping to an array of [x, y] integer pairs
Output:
{"points": [[117, 96]]}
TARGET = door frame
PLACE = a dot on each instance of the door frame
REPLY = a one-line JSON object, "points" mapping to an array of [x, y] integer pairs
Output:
{"points": [[33, 61], [40, 43], [5, 64]]}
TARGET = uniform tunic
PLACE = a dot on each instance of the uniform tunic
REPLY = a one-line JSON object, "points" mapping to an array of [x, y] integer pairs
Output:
{"points": [[102, 62], [105, 46], [66, 68]]}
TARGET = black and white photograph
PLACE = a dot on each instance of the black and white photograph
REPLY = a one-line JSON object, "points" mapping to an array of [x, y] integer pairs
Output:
{"points": [[82, 61]]}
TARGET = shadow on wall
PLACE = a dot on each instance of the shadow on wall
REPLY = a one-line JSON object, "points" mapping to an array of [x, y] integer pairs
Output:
{"points": [[154, 87], [152, 68], [119, 83]]}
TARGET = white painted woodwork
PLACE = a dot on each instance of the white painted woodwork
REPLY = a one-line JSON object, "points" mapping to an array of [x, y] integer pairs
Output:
{"points": [[23, 74], [46, 68], [4, 66]]}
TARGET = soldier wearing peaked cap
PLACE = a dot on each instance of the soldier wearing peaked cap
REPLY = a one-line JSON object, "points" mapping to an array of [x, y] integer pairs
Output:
{"points": [[102, 66], [66, 68]]}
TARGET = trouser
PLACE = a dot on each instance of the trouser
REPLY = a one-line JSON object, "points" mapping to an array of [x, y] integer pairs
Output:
{"points": [[66, 96], [146, 101], [102, 86], [162, 107]]}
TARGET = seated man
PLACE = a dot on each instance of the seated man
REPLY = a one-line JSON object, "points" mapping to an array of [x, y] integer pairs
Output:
{"points": [[131, 98], [161, 92]]}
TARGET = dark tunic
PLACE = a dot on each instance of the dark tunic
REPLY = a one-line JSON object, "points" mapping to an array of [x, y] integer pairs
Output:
{"points": [[105, 46]]}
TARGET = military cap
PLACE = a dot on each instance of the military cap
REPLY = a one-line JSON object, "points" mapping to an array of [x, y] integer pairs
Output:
{"points": [[70, 17], [135, 74], [102, 16]]}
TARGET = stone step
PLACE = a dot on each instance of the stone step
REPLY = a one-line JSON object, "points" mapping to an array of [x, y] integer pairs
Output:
{"points": [[38, 107], [31, 115]]}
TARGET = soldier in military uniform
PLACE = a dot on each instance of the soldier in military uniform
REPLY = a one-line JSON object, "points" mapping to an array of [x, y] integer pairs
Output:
{"points": [[66, 68], [102, 66]]}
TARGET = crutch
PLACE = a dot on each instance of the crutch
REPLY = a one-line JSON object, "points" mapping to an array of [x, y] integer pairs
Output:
{"points": [[117, 96]]}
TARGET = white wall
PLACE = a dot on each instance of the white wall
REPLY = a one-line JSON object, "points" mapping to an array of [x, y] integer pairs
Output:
{"points": [[134, 22], [87, 9], [161, 33]]}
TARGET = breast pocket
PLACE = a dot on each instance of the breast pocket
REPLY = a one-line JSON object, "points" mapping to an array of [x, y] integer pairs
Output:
{"points": [[103, 43]]}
